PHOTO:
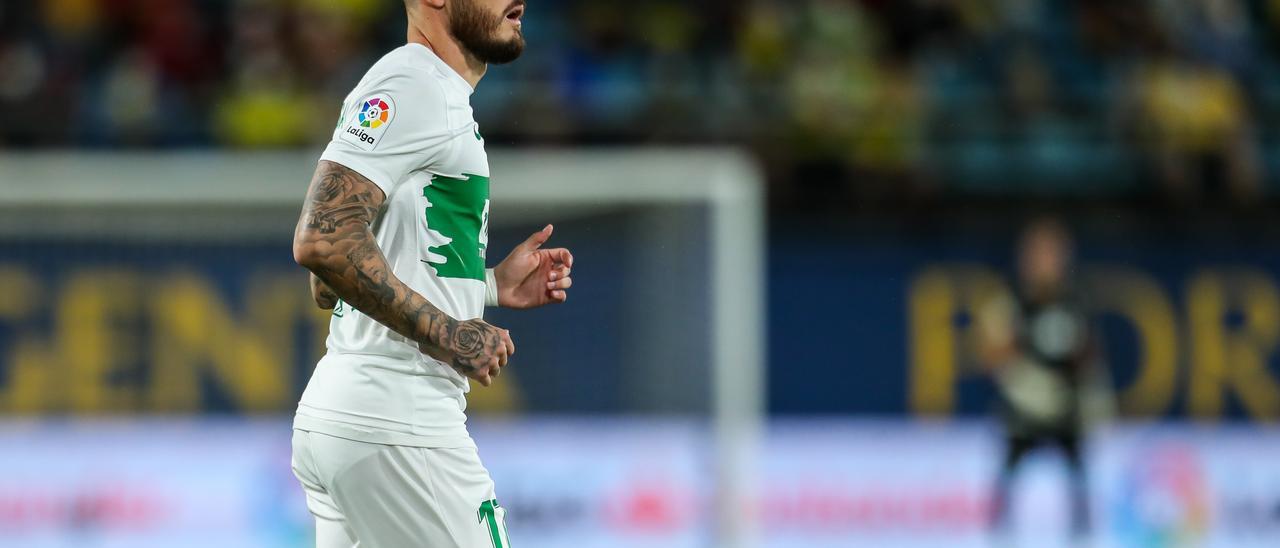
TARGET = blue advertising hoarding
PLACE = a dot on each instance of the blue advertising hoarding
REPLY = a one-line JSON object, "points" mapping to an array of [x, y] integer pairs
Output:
{"points": [[856, 324]]}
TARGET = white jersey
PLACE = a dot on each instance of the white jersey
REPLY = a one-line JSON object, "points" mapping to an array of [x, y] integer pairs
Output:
{"points": [[408, 128]]}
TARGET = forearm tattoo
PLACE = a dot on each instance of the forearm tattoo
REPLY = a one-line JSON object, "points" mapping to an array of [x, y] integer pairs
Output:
{"points": [[335, 230], [336, 226]]}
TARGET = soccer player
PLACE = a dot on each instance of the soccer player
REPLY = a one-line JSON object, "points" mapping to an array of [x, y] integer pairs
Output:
{"points": [[1044, 355], [394, 231]]}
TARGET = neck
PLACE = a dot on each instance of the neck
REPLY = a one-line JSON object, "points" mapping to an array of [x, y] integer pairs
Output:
{"points": [[1043, 292], [432, 33]]}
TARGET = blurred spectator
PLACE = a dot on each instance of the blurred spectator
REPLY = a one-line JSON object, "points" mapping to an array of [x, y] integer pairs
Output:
{"points": [[849, 98], [267, 101], [127, 109], [1197, 129], [26, 74], [332, 49]]}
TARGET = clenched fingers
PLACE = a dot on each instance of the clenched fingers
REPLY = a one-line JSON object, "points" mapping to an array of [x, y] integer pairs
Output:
{"points": [[560, 256], [562, 283], [506, 340], [483, 377]]}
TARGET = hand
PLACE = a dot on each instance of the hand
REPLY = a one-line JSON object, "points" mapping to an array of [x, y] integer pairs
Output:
{"points": [[473, 348], [531, 277]]}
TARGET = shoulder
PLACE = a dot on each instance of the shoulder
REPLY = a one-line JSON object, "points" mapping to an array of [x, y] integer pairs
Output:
{"points": [[395, 121], [403, 71], [398, 96], [400, 86]]}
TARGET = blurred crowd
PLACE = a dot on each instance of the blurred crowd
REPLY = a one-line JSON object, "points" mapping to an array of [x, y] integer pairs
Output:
{"points": [[858, 97]]}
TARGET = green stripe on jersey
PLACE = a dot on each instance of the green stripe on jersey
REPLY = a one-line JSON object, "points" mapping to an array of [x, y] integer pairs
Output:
{"points": [[457, 210]]}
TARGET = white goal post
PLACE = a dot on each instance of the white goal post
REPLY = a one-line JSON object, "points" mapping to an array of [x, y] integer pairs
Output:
{"points": [[55, 194], [733, 188]]}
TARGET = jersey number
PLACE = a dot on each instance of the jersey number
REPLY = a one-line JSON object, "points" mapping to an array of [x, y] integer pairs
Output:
{"points": [[457, 209], [497, 526]]}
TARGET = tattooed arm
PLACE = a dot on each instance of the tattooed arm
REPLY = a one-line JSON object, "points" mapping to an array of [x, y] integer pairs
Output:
{"points": [[324, 297], [334, 240]]}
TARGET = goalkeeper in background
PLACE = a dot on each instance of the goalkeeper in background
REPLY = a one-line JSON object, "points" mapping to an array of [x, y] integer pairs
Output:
{"points": [[1043, 354]]}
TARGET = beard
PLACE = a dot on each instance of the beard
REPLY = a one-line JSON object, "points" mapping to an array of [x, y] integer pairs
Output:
{"points": [[477, 31]]}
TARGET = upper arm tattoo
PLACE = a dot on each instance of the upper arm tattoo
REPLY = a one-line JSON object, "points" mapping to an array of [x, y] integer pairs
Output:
{"points": [[338, 196]]}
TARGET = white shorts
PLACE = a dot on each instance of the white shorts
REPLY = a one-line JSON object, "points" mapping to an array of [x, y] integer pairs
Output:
{"points": [[368, 495]]}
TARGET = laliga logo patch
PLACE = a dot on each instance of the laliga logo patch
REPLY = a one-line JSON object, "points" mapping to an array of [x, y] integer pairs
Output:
{"points": [[371, 119], [374, 113]]}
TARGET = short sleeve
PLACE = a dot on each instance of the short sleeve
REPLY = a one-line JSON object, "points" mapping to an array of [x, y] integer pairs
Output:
{"points": [[390, 127]]}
